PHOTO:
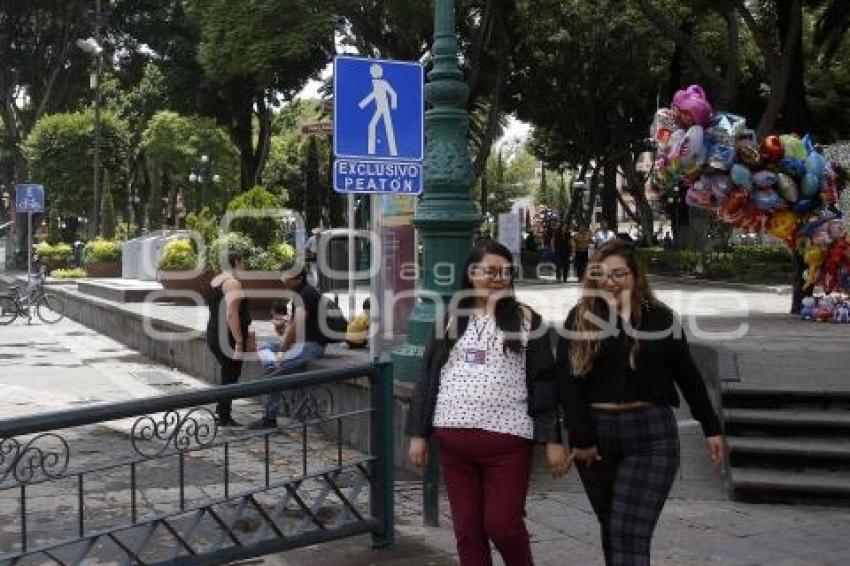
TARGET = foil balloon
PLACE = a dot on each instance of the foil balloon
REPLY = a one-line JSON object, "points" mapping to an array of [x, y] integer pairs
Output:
{"points": [[804, 205], [721, 157], [764, 179], [749, 156], [820, 237], [698, 196], [719, 185], [782, 225], [771, 149], [810, 185], [692, 150], [741, 176], [813, 259], [794, 147], [793, 167], [733, 207], [766, 199], [663, 126], [787, 187], [726, 127], [816, 164], [692, 106]]}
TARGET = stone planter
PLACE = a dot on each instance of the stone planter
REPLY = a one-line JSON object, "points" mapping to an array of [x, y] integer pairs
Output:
{"points": [[177, 280], [104, 269], [56, 264]]}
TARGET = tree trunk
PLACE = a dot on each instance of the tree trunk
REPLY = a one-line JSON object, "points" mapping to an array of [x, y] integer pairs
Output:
{"points": [[609, 194], [795, 114]]}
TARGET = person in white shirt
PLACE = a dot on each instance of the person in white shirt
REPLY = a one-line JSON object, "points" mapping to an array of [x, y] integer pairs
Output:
{"points": [[311, 257], [483, 393]]}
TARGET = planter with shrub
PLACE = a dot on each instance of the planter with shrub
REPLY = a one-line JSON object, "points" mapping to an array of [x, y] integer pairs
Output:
{"points": [[178, 268], [102, 258], [54, 257]]}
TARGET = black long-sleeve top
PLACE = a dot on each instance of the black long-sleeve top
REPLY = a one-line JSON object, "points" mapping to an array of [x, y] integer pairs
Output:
{"points": [[661, 364]]}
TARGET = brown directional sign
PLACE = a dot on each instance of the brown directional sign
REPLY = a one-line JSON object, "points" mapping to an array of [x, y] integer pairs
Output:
{"points": [[319, 128]]}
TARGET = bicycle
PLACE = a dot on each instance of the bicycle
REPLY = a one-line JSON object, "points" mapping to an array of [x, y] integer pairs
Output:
{"points": [[48, 307]]}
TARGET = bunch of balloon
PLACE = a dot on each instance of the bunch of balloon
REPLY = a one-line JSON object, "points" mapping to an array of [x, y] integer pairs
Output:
{"points": [[781, 185]]}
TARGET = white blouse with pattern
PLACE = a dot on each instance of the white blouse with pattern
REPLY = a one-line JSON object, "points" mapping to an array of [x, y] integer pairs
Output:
{"points": [[490, 396]]}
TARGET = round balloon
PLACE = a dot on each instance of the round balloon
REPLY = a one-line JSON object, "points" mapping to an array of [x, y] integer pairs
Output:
{"points": [[764, 178], [793, 166], [771, 149], [749, 156], [815, 164], [741, 176], [787, 187], [766, 199], [794, 147], [804, 205], [810, 185]]}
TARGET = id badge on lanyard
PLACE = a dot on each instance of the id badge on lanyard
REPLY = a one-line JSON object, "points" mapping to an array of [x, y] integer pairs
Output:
{"points": [[475, 356]]}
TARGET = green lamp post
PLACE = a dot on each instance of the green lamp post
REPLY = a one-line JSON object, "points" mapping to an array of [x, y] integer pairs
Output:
{"points": [[446, 216]]}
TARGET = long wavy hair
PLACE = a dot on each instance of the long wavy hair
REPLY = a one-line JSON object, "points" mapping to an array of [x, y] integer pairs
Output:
{"points": [[585, 347], [508, 312]]}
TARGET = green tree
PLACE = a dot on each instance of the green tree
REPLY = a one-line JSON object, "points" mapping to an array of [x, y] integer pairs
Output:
{"points": [[259, 52], [172, 145], [59, 151]]}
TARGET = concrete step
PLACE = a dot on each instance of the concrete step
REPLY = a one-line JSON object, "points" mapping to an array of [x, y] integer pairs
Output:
{"points": [[798, 447], [759, 396], [827, 421], [780, 483]]}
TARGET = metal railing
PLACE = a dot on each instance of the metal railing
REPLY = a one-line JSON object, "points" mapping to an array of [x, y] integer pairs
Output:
{"points": [[156, 481]]}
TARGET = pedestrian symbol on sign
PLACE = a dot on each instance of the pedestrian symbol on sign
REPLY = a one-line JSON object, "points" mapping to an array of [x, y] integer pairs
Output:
{"points": [[381, 94]]}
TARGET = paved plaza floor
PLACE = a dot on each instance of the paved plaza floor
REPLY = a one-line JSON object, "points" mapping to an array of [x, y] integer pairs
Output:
{"points": [[45, 368]]}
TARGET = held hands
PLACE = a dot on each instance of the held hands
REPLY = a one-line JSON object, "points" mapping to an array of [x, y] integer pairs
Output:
{"points": [[716, 449], [586, 456], [418, 452], [558, 460]]}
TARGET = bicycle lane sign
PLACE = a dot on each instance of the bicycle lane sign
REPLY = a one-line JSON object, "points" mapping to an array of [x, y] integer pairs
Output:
{"points": [[29, 198]]}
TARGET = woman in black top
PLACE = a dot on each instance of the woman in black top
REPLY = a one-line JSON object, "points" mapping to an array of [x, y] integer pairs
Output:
{"points": [[621, 355], [225, 287]]}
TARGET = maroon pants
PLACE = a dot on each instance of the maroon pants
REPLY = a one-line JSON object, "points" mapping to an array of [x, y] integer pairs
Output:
{"points": [[487, 476]]}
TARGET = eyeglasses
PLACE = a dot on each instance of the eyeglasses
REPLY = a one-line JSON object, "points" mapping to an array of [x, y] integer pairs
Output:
{"points": [[505, 272], [601, 274]]}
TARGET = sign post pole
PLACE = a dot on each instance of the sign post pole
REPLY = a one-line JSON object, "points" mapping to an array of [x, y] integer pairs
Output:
{"points": [[29, 267], [352, 303], [29, 198]]}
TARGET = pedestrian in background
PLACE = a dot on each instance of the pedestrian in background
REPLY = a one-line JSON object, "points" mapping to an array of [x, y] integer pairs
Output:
{"points": [[581, 243], [474, 393], [617, 387], [229, 319], [563, 251]]}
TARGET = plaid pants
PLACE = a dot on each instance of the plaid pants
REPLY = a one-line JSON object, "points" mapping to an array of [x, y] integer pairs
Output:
{"points": [[628, 487]]}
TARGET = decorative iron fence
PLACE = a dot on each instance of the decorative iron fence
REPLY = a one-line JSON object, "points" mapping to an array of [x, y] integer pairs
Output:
{"points": [[156, 481]]}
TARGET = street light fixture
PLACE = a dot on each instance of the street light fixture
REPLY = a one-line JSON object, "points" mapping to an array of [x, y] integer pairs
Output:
{"points": [[202, 175]]}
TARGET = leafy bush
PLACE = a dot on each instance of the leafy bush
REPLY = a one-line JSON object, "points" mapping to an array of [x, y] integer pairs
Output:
{"points": [[204, 223], [124, 231], [263, 230], [75, 273], [751, 264], [98, 251], [232, 241], [283, 252], [59, 252], [178, 254]]}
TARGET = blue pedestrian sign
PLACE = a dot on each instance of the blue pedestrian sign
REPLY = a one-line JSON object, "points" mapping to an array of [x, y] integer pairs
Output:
{"points": [[29, 198], [378, 109]]}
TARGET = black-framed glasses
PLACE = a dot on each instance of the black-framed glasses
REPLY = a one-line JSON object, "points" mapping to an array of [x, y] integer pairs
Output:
{"points": [[601, 274], [505, 272]]}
